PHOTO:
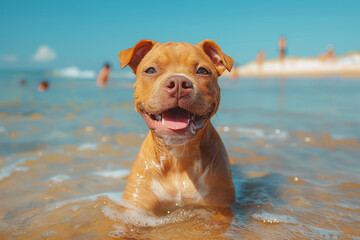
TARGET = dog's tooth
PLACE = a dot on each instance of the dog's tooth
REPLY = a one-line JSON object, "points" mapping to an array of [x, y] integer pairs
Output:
{"points": [[158, 117], [192, 117], [163, 121]]}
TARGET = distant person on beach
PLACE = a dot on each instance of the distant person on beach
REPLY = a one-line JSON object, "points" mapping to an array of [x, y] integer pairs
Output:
{"points": [[260, 58], [330, 53], [43, 86], [22, 82], [282, 48], [328, 56], [103, 76], [234, 74]]}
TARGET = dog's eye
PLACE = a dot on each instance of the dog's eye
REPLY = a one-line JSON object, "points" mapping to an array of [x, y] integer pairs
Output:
{"points": [[202, 71], [150, 70]]}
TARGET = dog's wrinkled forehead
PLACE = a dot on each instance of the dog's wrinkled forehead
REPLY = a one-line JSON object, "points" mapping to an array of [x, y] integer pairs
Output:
{"points": [[175, 53], [206, 50]]}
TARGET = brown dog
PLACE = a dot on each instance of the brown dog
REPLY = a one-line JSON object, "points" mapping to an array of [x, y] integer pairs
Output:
{"points": [[182, 160]]}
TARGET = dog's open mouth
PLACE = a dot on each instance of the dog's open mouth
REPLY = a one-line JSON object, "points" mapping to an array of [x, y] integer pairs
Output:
{"points": [[176, 119]]}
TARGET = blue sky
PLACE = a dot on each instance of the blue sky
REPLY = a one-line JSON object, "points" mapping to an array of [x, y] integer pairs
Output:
{"points": [[88, 33]]}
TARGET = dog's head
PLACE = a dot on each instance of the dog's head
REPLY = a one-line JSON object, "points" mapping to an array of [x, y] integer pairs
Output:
{"points": [[176, 88]]}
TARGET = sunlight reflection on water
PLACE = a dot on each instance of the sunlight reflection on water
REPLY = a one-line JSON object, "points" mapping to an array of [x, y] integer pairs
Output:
{"points": [[294, 149]]}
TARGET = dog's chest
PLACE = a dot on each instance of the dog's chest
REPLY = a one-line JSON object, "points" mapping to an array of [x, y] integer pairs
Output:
{"points": [[184, 187]]}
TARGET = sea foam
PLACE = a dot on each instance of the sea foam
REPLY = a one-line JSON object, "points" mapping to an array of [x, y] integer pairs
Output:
{"points": [[14, 167], [267, 217], [121, 173], [91, 146], [113, 196], [142, 218]]}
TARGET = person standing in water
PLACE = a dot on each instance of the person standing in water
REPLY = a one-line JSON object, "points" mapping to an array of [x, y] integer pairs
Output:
{"points": [[22, 82], [103, 76], [282, 48], [234, 74], [330, 55], [260, 58]]}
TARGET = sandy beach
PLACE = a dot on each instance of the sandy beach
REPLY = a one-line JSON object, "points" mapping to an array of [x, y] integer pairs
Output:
{"points": [[344, 66]]}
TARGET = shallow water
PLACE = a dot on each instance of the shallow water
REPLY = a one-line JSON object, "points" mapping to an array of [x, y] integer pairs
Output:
{"points": [[65, 155]]}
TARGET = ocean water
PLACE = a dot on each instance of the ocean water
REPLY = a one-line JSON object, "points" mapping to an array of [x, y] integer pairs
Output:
{"points": [[65, 155]]}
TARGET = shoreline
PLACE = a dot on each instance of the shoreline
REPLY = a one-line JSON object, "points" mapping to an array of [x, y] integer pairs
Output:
{"points": [[346, 66]]}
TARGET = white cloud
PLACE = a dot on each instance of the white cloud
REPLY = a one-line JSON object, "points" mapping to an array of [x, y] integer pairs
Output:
{"points": [[10, 58], [44, 54]]}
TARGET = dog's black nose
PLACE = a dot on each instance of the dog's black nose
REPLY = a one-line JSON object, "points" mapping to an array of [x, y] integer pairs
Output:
{"points": [[178, 86]]}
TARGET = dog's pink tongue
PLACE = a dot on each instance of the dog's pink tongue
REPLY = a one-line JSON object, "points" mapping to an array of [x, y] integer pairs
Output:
{"points": [[176, 119]]}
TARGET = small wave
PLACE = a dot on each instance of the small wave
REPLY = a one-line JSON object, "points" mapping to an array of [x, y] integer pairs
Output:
{"points": [[349, 236], [257, 132], [59, 178], [91, 146], [325, 233], [142, 218], [74, 72], [121, 173], [277, 134], [347, 206], [254, 132], [48, 234], [113, 196], [338, 136], [273, 218], [14, 167], [57, 135]]}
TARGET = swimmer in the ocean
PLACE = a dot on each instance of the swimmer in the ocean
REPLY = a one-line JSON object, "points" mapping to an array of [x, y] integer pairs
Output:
{"points": [[43, 86], [103, 76]]}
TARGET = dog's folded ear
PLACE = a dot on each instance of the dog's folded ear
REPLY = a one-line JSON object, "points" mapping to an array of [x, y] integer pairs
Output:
{"points": [[220, 59], [133, 56]]}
